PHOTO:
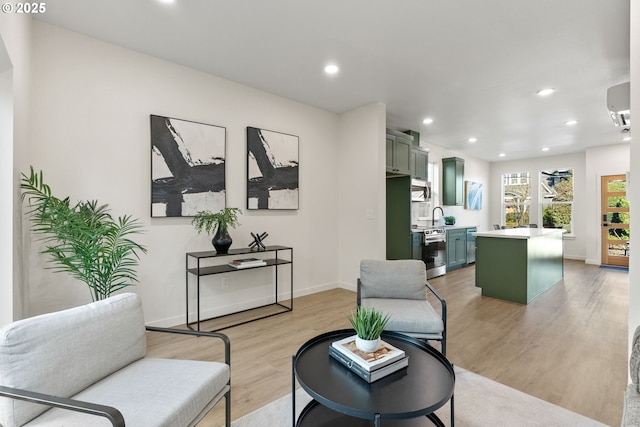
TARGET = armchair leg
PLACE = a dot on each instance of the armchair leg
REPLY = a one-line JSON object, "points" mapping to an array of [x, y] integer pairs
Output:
{"points": [[227, 409]]}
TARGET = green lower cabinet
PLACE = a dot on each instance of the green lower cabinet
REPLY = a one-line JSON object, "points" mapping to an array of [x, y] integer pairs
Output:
{"points": [[456, 248]]}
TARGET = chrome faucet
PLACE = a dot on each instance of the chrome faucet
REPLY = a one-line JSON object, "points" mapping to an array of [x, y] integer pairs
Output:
{"points": [[433, 214]]}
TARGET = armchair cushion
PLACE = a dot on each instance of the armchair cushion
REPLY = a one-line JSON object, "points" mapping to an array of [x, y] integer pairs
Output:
{"points": [[96, 354], [403, 279], [49, 353], [408, 316], [150, 393]]}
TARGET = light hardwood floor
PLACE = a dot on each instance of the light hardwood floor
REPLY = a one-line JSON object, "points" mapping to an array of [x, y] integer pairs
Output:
{"points": [[568, 347]]}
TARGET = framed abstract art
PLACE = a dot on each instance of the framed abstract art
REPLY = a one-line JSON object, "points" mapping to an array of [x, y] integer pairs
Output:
{"points": [[187, 167], [472, 195], [272, 170]]}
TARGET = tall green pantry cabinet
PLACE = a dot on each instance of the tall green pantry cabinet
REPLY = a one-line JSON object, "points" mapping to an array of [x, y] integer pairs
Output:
{"points": [[453, 181]]}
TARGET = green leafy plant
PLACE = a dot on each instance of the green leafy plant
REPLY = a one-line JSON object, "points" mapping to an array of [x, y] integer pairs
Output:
{"points": [[83, 239], [208, 221], [368, 322], [449, 219]]}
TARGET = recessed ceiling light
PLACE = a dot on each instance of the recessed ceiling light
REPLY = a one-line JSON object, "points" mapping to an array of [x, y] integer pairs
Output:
{"points": [[545, 149], [331, 69], [427, 121], [570, 122], [473, 139], [545, 92], [167, 1], [501, 155]]}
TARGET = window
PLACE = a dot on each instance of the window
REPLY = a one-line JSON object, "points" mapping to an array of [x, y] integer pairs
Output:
{"points": [[556, 198], [516, 198]]}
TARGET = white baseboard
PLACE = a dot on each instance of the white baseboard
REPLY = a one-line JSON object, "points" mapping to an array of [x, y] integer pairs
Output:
{"points": [[577, 258], [244, 305]]}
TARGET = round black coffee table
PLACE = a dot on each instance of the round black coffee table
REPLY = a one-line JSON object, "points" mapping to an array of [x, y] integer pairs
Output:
{"points": [[405, 398]]}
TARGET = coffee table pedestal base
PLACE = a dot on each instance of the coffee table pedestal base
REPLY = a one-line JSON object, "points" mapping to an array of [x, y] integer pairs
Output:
{"points": [[316, 415]]}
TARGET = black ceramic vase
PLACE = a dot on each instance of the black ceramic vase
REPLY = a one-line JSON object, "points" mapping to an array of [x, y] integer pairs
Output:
{"points": [[222, 240]]}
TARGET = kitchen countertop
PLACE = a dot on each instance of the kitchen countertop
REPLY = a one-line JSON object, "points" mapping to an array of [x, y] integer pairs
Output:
{"points": [[444, 227], [519, 233]]}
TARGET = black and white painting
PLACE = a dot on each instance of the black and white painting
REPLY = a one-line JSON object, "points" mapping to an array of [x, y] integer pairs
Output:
{"points": [[272, 169], [187, 167]]}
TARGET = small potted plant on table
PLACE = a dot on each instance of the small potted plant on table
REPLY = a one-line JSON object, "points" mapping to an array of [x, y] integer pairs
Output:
{"points": [[368, 324], [449, 220], [220, 221]]}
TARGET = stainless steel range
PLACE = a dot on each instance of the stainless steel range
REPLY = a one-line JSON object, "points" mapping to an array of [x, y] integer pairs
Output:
{"points": [[434, 253]]}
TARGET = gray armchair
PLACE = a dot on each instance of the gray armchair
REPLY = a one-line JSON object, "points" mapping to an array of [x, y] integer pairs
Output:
{"points": [[399, 288]]}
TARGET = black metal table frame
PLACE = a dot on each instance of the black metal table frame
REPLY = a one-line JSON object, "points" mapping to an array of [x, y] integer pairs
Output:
{"points": [[199, 271], [377, 417]]}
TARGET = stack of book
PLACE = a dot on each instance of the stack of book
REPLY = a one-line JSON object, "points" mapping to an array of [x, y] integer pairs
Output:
{"points": [[247, 263], [386, 360]]}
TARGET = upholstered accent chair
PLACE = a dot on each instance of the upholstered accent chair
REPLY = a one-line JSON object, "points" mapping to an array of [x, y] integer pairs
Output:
{"points": [[89, 365], [399, 288], [631, 412]]}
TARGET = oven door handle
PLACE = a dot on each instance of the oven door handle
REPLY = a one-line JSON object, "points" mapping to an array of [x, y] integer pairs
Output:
{"points": [[437, 240]]}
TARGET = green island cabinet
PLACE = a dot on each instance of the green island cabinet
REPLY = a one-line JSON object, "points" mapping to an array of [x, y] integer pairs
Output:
{"points": [[518, 264], [453, 181], [398, 152]]}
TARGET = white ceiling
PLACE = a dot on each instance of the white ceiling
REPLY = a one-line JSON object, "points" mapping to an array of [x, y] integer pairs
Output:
{"points": [[472, 65]]}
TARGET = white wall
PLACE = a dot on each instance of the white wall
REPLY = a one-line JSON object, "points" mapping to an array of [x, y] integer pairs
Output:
{"points": [[573, 245], [6, 189], [361, 205], [15, 34], [600, 161], [92, 140], [634, 181], [474, 170]]}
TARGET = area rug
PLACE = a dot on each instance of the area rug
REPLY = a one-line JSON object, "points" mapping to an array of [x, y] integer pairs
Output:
{"points": [[479, 402], [615, 268]]}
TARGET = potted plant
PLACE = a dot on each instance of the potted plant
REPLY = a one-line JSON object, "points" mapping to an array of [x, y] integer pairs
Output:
{"points": [[368, 324], [83, 239], [208, 221], [449, 220]]}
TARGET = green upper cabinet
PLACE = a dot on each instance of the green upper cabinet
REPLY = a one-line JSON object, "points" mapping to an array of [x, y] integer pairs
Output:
{"points": [[453, 181], [398, 147], [419, 163]]}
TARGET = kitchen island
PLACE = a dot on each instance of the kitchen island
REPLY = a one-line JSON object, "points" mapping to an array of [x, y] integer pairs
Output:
{"points": [[518, 264]]}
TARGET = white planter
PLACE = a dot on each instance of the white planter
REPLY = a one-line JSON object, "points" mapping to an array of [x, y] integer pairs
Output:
{"points": [[368, 346]]}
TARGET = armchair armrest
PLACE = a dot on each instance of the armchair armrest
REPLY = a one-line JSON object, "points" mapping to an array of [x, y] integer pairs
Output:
{"points": [[443, 303], [223, 337], [112, 414]]}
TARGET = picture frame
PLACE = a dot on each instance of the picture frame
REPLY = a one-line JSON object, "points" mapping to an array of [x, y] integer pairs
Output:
{"points": [[472, 195], [187, 167], [272, 169]]}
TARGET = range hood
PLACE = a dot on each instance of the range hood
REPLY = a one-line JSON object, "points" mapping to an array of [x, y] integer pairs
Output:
{"points": [[619, 106]]}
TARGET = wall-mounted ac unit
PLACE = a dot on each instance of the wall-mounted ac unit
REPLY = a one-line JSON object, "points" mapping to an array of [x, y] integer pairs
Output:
{"points": [[619, 105]]}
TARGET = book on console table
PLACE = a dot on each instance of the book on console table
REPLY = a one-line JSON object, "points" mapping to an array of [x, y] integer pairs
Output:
{"points": [[369, 366], [369, 376], [247, 262]]}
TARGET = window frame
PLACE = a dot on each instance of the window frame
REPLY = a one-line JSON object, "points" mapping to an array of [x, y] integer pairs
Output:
{"points": [[542, 200], [514, 178]]}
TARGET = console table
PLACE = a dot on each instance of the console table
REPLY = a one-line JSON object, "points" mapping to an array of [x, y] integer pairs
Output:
{"points": [[196, 269]]}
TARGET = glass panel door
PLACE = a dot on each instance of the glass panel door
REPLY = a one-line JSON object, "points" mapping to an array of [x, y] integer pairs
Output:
{"points": [[615, 221]]}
